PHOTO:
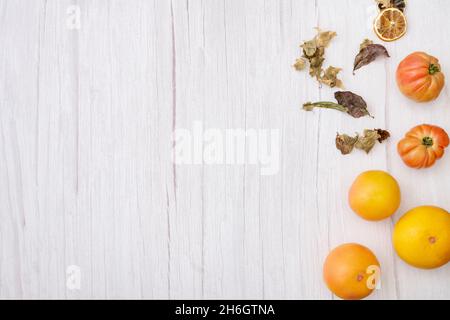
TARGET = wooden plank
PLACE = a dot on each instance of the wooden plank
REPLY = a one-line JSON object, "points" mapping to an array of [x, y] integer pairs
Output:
{"points": [[125, 124], [288, 215], [420, 187], [39, 150], [186, 221], [336, 172]]}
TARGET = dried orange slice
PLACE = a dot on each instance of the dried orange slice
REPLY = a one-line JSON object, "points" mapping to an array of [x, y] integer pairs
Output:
{"points": [[390, 24]]}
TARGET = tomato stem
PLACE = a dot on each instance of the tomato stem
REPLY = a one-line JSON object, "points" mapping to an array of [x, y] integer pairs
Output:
{"points": [[427, 141], [432, 69]]}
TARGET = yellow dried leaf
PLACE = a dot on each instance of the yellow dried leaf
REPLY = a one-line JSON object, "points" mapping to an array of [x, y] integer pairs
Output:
{"points": [[309, 48], [314, 52], [329, 77], [299, 64], [323, 38], [368, 140], [365, 44]]}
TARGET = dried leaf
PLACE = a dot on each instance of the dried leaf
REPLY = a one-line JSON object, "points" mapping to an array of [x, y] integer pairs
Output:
{"points": [[315, 67], [355, 104], [384, 135], [314, 52], [329, 77], [366, 142], [324, 38], [348, 102], [345, 143], [384, 4], [299, 64], [365, 43], [309, 48], [399, 4], [368, 54]]}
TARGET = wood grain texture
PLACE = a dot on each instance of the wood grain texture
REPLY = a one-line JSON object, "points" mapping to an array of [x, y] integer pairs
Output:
{"points": [[87, 120]]}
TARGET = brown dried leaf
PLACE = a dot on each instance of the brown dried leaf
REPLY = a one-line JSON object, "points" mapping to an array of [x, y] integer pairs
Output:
{"points": [[368, 54], [366, 142], [355, 104], [384, 4], [399, 4], [348, 102], [384, 135], [345, 143]]}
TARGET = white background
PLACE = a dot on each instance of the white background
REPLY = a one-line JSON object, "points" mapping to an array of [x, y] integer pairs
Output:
{"points": [[86, 124]]}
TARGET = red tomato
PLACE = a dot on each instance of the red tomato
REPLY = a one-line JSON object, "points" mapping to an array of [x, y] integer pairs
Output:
{"points": [[419, 77]]}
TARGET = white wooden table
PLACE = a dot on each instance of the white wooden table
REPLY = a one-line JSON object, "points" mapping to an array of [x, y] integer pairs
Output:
{"points": [[87, 119]]}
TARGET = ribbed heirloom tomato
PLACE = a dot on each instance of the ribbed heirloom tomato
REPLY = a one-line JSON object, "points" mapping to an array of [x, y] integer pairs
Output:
{"points": [[423, 145], [419, 77]]}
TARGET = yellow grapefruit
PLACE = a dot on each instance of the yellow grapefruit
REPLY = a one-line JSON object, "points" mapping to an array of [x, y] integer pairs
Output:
{"points": [[374, 195], [422, 237]]}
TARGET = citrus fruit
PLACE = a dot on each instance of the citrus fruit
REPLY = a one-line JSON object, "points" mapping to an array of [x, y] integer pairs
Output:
{"points": [[348, 271], [390, 24], [374, 195], [422, 237]]}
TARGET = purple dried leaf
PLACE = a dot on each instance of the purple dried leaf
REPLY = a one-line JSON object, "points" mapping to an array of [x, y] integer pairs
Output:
{"points": [[368, 54]]}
